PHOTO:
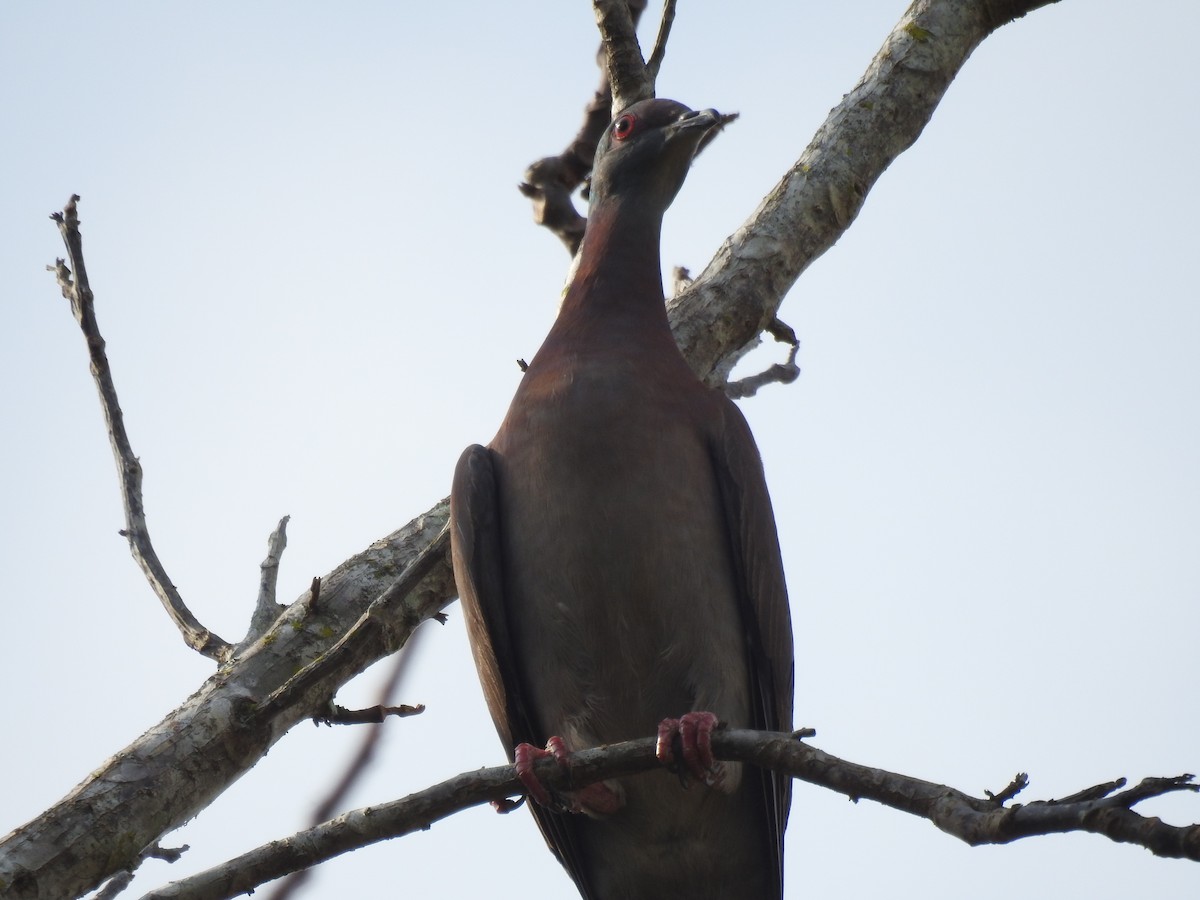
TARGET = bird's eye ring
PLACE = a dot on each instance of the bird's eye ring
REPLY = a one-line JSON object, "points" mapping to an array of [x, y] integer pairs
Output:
{"points": [[624, 126]]}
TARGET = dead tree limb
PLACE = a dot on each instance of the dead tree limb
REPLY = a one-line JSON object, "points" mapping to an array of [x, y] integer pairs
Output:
{"points": [[177, 768], [739, 293], [73, 280], [266, 609]]}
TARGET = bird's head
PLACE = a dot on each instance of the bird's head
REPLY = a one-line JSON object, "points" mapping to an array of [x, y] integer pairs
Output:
{"points": [[646, 150]]}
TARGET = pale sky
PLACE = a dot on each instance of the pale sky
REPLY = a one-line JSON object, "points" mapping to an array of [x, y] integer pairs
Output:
{"points": [[314, 274]]}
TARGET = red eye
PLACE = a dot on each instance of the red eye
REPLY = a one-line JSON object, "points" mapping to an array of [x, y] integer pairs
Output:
{"points": [[624, 126]]}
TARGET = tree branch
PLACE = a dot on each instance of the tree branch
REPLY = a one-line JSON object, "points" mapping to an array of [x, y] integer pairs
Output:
{"points": [[659, 51], [628, 77], [780, 373], [740, 291], [177, 768], [79, 293], [975, 821], [266, 609]]}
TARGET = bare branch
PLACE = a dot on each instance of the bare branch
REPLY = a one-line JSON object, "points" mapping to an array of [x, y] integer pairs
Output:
{"points": [[976, 821], [659, 53], [627, 74], [120, 881], [79, 293], [371, 715], [266, 609], [1019, 783], [739, 292], [549, 183], [177, 768], [681, 279], [780, 373]]}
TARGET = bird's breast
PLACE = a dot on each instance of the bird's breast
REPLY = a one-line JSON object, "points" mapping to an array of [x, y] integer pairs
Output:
{"points": [[618, 571]]}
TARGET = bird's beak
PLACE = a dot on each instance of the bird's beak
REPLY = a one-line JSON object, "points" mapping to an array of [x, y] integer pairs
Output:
{"points": [[696, 123], [700, 125]]}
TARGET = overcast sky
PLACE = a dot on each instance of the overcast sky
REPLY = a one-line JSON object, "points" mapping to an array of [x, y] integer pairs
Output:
{"points": [[314, 274]]}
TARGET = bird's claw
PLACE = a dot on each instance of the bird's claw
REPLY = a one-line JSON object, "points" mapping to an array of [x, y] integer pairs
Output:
{"points": [[527, 755], [693, 731], [594, 799], [505, 805]]}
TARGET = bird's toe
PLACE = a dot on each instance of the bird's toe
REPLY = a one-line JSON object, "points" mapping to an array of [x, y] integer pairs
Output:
{"points": [[686, 744]]}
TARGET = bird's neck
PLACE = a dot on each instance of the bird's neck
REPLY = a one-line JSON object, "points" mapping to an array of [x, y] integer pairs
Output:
{"points": [[619, 276]]}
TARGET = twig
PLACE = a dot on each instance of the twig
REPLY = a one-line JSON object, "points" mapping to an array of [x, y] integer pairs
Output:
{"points": [[548, 184], [371, 715], [312, 602], [79, 293], [266, 609], [166, 854], [1019, 783], [974, 820], [681, 279], [780, 373], [660, 42], [121, 880], [1092, 793]]}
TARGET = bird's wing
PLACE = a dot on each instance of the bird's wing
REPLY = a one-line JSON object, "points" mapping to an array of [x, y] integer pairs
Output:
{"points": [[479, 574], [758, 568]]}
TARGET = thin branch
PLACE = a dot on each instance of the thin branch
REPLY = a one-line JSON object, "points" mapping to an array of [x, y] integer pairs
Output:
{"points": [[371, 715], [659, 53], [681, 279], [974, 820], [79, 293], [266, 609], [179, 766], [549, 183], [312, 602], [627, 74], [780, 373], [120, 881], [1019, 783]]}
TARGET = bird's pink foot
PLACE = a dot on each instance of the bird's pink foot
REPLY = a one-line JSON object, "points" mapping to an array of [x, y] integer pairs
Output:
{"points": [[694, 732], [526, 755], [594, 799]]}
